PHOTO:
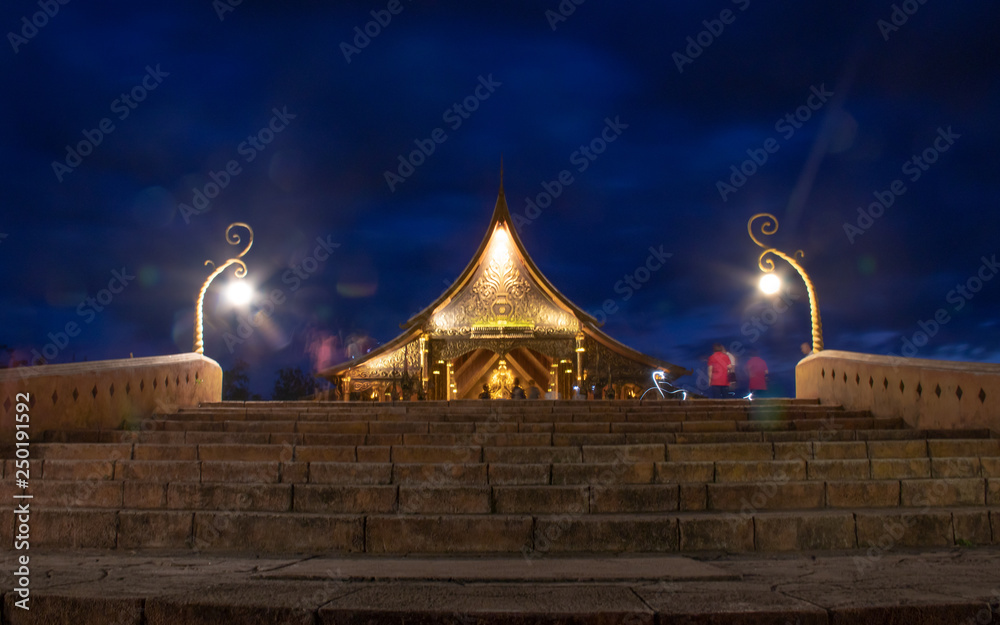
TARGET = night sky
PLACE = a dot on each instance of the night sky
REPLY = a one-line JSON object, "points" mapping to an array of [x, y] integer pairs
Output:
{"points": [[629, 127]]}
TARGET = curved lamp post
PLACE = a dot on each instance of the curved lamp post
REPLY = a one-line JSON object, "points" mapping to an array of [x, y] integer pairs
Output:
{"points": [[241, 272], [768, 228]]}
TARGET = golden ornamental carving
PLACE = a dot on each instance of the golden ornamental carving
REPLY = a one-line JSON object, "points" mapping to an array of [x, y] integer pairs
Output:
{"points": [[501, 381], [601, 361], [389, 365], [502, 295], [453, 348]]}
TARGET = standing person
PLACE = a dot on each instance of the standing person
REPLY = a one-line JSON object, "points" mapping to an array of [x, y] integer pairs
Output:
{"points": [[718, 372], [757, 372], [533, 391], [732, 371], [486, 392], [517, 392]]}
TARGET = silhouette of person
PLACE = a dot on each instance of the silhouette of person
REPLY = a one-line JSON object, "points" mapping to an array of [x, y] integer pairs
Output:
{"points": [[756, 370], [533, 391], [517, 392], [718, 372], [486, 392]]}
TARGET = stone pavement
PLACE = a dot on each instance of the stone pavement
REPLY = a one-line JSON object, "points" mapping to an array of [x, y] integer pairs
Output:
{"points": [[947, 586]]}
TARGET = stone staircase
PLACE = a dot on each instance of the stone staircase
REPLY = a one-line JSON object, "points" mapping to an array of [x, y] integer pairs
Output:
{"points": [[525, 478]]}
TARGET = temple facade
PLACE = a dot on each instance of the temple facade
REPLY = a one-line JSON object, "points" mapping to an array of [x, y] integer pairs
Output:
{"points": [[500, 320]]}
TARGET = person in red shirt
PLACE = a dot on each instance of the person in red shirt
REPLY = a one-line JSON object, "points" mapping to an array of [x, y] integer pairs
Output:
{"points": [[757, 372], [718, 372]]}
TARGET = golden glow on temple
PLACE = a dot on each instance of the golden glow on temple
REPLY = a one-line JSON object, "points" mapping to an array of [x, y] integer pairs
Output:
{"points": [[500, 320]]}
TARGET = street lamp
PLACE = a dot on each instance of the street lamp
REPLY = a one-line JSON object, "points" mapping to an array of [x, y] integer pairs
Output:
{"points": [[240, 272], [770, 283], [239, 293]]}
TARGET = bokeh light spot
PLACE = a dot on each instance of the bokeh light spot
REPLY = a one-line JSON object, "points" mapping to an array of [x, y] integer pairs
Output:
{"points": [[770, 283], [239, 292]]}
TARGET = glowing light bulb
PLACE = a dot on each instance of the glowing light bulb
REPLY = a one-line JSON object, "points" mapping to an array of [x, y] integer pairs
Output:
{"points": [[770, 283], [239, 293]]}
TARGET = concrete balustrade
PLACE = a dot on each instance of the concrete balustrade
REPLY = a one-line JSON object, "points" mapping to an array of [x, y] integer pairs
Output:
{"points": [[108, 394], [927, 394]]}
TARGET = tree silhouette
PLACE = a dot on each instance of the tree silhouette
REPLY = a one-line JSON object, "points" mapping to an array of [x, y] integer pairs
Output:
{"points": [[293, 383], [236, 383]]}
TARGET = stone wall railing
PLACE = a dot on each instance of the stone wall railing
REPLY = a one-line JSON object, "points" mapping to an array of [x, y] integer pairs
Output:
{"points": [[108, 394], [931, 394]]}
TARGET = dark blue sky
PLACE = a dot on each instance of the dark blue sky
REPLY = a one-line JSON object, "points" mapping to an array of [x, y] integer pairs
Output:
{"points": [[334, 127]]}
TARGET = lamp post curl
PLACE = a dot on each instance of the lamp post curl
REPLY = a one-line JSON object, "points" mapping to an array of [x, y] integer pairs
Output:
{"points": [[232, 238], [766, 264]]}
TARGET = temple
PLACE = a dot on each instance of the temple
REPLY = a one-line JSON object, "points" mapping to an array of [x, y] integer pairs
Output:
{"points": [[499, 320]]}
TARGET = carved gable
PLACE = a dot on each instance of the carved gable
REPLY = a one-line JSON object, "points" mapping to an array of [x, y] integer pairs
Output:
{"points": [[501, 298]]}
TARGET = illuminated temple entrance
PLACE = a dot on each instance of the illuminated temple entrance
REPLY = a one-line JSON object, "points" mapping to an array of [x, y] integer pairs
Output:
{"points": [[500, 320]]}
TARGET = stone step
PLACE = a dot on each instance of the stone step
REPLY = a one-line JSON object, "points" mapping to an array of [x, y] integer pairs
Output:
{"points": [[573, 412], [791, 468], [572, 492], [879, 452], [592, 424], [641, 589], [532, 536], [512, 406], [504, 434], [473, 403]]}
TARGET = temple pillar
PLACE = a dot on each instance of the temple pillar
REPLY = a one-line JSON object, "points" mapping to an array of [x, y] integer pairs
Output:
{"points": [[423, 361], [579, 363]]}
